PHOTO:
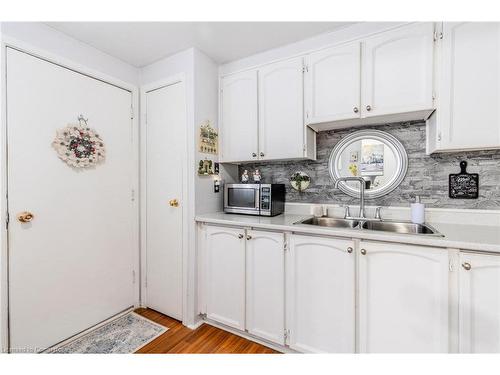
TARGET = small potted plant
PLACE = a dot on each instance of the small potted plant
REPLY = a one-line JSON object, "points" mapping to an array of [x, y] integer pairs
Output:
{"points": [[300, 181]]}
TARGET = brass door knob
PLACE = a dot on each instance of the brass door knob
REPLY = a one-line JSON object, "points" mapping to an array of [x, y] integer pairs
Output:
{"points": [[174, 203], [25, 217]]}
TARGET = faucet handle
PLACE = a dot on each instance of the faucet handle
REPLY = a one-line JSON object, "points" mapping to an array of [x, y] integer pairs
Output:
{"points": [[377, 213], [347, 212]]}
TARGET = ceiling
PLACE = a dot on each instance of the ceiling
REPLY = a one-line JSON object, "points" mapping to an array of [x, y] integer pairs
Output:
{"points": [[142, 43]]}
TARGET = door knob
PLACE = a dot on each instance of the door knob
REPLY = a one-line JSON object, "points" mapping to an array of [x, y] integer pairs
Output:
{"points": [[254, 154], [355, 109], [368, 107], [25, 217], [363, 251], [261, 154], [349, 250], [174, 203], [466, 266]]}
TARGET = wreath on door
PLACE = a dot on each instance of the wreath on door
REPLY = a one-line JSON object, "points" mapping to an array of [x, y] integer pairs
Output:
{"points": [[78, 145]]}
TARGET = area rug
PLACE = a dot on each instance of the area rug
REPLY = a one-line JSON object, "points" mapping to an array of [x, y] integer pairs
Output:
{"points": [[124, 335]]}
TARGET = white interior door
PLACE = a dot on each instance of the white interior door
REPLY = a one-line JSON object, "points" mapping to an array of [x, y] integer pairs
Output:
{"points": [[71, 266], [166, 150]]}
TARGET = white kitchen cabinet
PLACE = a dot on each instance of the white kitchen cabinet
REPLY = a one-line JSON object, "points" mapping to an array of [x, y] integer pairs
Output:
{"points": [[224, 257], [468, 88], [397, 71], [239, 117], [281, 110], [479, 303], [333, 84], [265, 269], [321, 295], [402, 298]]}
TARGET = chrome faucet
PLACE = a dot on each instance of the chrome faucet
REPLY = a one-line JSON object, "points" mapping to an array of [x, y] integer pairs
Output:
{"points": [[362, 214]]}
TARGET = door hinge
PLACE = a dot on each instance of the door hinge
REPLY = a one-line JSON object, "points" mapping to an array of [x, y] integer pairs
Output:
{"points": [[132, 195], [202, 315], [305, 69], [439, 136], [286, 334], [7, 219], [133, 277], [131, 112], [285, 246], [438, 35], [451, 267]]}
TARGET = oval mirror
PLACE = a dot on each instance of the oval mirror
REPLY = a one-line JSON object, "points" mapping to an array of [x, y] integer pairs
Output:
{"points": [[376, 156]]}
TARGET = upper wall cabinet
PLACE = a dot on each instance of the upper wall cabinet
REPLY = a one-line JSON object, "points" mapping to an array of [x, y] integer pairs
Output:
{"points": [[333, 84], [239, 116], [387, 77], [281, 110], [468, 88], [397, 71], [262, 114]]}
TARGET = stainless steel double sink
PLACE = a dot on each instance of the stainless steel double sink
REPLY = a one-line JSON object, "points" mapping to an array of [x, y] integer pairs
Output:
{"points": [[400, 227]]}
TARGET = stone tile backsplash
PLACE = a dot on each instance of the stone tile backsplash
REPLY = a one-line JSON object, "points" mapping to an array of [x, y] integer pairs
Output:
{"points": [[427, 174]]}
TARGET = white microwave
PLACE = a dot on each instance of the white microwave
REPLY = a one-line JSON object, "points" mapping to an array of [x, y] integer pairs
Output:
{"points": [[254, 199]]}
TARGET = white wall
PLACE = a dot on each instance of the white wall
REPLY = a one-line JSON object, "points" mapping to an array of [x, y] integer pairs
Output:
{"points": [[41, 36], [321, 41]]}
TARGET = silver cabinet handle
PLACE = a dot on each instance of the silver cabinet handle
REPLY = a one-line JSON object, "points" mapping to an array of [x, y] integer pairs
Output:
{"points": [[249, 237], [466, 266], [240, 236], [254, 154], [261, 154], [363, 251], [355, 109], [368, 108], [349, 250]]}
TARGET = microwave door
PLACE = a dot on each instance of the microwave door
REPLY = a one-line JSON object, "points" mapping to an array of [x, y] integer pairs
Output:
{"points": [[242, 199]]}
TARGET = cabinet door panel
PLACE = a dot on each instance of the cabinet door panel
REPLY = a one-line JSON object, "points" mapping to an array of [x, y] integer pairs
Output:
{"points": [[479, 301], [225, 276], [281, 110], [321, 295], [238, 124], [397, 68], [266, 285], [333, 84], [403, 299], [469, 91]]}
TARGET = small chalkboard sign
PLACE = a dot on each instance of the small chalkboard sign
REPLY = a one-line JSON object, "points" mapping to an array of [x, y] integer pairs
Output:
{"points": [[464, 185]]}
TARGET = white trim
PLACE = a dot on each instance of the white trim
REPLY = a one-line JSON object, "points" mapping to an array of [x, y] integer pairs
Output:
{"points": [[185, 199], [92, 73]]}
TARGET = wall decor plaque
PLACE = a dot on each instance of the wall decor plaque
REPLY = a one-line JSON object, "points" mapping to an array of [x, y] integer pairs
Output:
{"points": [[464, 185]]}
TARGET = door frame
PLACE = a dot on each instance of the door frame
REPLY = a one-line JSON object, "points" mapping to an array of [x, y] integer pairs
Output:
{"points": [[187, 207], [9, 42]]}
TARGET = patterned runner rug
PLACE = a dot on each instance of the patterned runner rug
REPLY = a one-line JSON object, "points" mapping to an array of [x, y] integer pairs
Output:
{"points": [[124, 335]]}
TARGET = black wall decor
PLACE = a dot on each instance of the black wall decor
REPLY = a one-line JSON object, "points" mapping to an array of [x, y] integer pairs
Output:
{"points": [[464, 185]]}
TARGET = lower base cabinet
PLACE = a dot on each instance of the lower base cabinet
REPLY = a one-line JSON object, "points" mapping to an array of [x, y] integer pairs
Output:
{"points": [[321, 295], [402, 298], [479, 301], [225, 275]]}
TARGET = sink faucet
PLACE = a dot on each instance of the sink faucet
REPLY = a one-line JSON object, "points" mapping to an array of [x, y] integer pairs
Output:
{"points": [[361, 181]]}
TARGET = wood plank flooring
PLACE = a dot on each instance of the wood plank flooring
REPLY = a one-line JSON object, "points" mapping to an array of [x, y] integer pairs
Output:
{"points": [[205, 339]]}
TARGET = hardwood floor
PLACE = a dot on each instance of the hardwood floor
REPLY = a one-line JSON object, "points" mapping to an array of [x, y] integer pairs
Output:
{"points": [[204, 339]]}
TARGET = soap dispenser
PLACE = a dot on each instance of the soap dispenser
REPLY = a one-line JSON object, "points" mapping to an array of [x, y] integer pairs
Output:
{"points": [[417, 211]]}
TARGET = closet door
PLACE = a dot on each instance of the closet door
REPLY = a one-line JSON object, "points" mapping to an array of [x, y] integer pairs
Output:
{"points": [[397, 71], [238, 117], [165, 150], [71, 266], [281, 110], [333, 84]]}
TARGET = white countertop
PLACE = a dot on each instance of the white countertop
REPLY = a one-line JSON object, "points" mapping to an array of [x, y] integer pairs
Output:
{"points": [[458, 236]]}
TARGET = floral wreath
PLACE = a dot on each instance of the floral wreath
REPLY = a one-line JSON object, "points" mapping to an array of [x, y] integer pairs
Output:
{"points": [[78, 145]]}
